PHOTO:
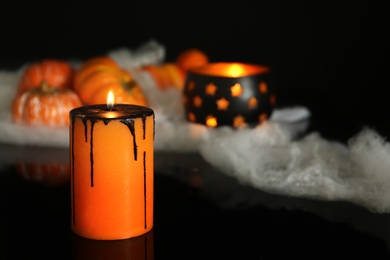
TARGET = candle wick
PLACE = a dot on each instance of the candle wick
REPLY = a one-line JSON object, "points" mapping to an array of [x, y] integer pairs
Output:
{"points": [[110, 106]]}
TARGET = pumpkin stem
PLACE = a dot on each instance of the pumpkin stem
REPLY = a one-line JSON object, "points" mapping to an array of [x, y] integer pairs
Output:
{"points": [[44, 86], [130, 85]]}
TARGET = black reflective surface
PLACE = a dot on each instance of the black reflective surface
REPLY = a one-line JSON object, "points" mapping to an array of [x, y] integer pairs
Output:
{"points": [[200, 212]]}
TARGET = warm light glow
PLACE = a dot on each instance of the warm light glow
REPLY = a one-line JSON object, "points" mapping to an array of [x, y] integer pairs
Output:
{"points": [[211, 121], [198, 101], [252, 103], [236, 90], [235, 70], [263, 87], [110, 114], [239, 121], [222, 104], [191, 86], [110, 100], [191, 117], [230, 69], [262, 117], [211, 89]]}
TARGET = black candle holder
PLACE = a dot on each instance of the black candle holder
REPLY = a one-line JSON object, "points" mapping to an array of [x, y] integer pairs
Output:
{"points": [[233, 94]]}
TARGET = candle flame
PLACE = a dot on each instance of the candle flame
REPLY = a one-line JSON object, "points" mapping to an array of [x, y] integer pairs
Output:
{"points": [[110, 100], [230, 69], [235, 70]]}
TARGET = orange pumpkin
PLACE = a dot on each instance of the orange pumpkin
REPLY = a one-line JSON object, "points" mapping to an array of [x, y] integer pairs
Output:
{"points": [[44, 106], [166, 75], [97, 76], [56, 73], [191, 58]]}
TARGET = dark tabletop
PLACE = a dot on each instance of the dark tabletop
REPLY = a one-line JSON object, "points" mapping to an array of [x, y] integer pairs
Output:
{"points": [[200, 213], [192, 220]]}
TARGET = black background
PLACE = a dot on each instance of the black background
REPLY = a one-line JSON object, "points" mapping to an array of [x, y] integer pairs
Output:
{"points": [[331, 56], [337, 51]]}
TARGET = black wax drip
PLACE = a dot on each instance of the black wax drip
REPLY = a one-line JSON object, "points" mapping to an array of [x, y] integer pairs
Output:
{"points": [[85, 129], [145, 224], [143, 127], [106, 121], [130, 124], [91, 151]]}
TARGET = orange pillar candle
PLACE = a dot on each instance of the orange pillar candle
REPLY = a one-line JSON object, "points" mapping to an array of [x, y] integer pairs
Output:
{"points": [[112, 168]]}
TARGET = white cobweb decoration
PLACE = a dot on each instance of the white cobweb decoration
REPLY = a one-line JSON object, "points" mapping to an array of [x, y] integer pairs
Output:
{"points": [[269, 157]]}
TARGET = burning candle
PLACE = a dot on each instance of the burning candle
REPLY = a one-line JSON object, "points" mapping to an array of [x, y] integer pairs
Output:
{"points": [[228, 93], [112, 167]]}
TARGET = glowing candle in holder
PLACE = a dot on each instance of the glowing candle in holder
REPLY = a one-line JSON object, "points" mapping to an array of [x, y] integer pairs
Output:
{"points": [[112, 168], [228, 93]]}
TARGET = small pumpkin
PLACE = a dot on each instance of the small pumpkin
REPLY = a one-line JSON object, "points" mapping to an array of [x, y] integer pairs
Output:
{"points": [[99, 75], [191, 58], [166, 75], [44, 106], [56, 73]]}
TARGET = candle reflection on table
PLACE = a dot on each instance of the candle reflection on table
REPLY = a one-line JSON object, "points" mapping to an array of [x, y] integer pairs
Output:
{"points": [[141, 247], [38, 164]]}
